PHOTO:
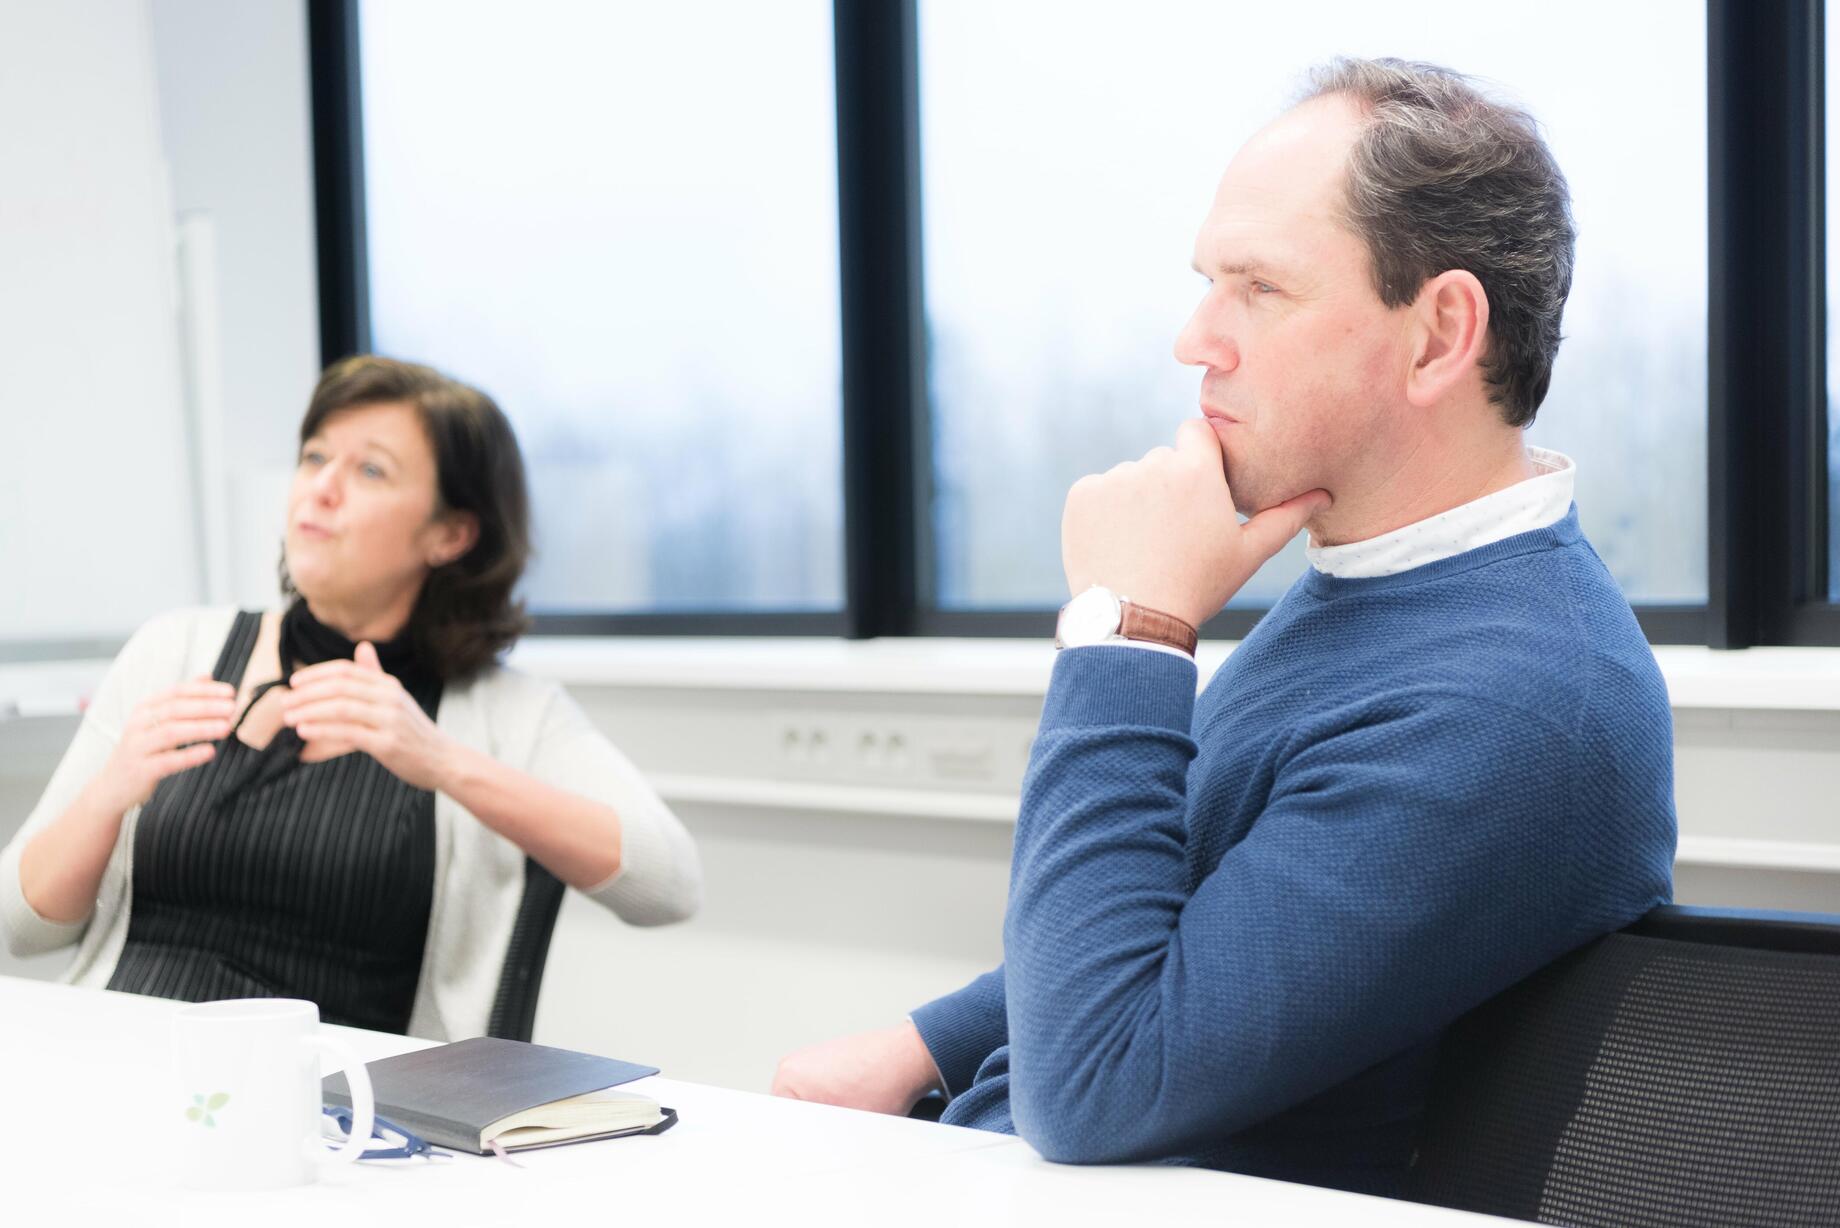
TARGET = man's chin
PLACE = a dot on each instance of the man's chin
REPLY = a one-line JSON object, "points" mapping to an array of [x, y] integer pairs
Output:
{"points": [[1250, 498], [1255, 492]]}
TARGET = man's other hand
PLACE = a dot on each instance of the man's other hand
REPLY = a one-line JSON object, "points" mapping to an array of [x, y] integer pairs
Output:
{"points": [[884, 1071], [1162, 532]]}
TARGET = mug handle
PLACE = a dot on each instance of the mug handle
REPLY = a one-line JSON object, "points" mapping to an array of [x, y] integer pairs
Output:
{"points": [[363, 1104]]}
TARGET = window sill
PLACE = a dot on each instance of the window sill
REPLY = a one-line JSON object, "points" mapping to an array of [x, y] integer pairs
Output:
{"points": [[1788, 679], [808, 797], [1784, 679]]}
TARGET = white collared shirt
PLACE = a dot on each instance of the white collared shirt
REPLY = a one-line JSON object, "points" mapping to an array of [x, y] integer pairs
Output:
{"points": [[1533, 503]]}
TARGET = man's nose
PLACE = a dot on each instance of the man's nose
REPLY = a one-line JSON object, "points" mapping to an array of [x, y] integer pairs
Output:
{"points": [[1207, 340]]}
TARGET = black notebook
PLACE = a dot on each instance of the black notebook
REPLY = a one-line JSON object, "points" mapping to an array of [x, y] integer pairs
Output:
{"points": [[473, 1092]]}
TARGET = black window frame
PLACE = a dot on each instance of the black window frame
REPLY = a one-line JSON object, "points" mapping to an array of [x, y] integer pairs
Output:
{"points": [[1767, 509], [1767, 347]]}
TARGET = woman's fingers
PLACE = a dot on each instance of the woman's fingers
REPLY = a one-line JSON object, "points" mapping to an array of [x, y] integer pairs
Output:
{"points": [[326, 670], [196, 691], [204, 686], [343, 691], [341, 710], [169, 762], [195, 710], [332, 739], [319, 750], [357, 682], [169, 734], [187, 701]]}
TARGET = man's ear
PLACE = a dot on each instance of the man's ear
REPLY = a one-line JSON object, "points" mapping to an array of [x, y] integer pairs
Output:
{"points": [[1450, 335], [454, 533]]}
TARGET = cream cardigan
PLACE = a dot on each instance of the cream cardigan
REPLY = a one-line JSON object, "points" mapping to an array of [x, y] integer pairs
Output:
{"points": [[524, 722]]}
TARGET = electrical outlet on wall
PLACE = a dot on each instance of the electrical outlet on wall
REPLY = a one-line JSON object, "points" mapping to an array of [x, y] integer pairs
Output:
{"points": [[882, 748], [890, 748]]}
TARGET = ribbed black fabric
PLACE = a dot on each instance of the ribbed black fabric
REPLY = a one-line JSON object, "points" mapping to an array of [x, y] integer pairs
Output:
{"points": [[1645, 1082], [256, 875]]}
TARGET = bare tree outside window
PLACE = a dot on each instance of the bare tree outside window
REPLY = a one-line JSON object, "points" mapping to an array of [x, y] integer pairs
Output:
{"points": [[1071, 147], [625, 229]]}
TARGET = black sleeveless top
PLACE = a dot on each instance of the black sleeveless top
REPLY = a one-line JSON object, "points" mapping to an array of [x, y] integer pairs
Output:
{"points": [[258, 876]]}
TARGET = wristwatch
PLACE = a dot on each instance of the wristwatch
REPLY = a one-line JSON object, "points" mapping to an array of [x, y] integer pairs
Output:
{"points": [[1098, 615]]}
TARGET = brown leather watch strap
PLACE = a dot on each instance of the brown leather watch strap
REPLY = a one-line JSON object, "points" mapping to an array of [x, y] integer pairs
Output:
{"points": [[1142, 623]]}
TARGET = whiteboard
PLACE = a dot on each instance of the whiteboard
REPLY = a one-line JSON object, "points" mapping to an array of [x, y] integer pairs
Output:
{"points": [[97, 515]]}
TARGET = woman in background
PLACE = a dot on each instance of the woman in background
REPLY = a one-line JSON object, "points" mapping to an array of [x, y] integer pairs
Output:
{"points": [[344, 800]]}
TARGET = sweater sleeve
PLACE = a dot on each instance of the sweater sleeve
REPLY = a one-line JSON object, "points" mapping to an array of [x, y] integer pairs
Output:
{"points": [[1414, 858], [660, 879], [27, 933], [963, 1028], [152, 659]]}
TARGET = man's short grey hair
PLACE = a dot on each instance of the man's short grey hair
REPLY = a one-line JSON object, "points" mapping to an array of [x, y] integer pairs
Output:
{"points": [[1444, 177]]}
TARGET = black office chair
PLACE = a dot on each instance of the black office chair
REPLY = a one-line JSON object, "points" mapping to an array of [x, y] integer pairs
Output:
{"points": [[514, 1007], [1682, 1072]]}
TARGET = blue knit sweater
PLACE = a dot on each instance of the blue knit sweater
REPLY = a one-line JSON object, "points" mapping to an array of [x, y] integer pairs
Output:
{"points": [[1238, 925]]}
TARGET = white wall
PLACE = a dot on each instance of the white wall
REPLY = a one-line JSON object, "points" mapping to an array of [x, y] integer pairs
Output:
{"points": [[87, 330], [122, 116], [235, 119], [234, 114]]}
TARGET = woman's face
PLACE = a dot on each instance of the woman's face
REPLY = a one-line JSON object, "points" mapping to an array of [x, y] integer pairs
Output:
{"points": [[362, 526]]}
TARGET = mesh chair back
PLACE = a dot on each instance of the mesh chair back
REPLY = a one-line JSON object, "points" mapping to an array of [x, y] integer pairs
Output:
{"points": [[514, 1007], [1683, 1072]]}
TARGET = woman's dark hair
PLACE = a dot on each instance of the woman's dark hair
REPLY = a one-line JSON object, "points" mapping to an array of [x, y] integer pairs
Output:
{"points": [[466, 614]]}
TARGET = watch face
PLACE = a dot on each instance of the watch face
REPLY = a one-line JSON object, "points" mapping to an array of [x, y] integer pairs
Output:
{"points": [[1090, 618]]}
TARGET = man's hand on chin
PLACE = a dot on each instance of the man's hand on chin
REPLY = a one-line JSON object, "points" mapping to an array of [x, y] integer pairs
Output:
{"points": [[1162, 532]]}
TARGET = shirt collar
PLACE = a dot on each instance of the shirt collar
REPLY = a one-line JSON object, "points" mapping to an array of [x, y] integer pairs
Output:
{"points": [[1533, 503]]}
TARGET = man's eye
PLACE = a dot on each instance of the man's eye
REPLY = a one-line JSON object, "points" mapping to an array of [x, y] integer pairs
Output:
{"points": [[1259, 287], [310, 457], [371, 471]]}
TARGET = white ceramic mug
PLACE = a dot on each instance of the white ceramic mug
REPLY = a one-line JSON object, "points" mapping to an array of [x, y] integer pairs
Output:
{"points": [[249, 1073]]}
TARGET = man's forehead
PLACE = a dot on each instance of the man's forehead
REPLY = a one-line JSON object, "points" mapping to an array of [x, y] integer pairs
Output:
{"points": [[1263, 234], [1233, 241], [1282, 191], [1299, 160]]}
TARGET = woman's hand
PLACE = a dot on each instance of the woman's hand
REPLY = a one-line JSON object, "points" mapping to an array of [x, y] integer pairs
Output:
{"points": [[165, 734], [340, 706], [61, 867]]}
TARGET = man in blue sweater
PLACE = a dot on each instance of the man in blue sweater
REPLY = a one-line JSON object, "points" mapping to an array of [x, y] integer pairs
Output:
{"points": [[1239, 924]]}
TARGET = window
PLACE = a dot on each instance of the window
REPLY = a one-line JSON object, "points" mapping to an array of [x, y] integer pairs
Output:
{"points": [[1832, 104], [1059, 219], [628, 230], [621, 221]]}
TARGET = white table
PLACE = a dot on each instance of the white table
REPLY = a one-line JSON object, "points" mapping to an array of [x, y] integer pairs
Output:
{"points": [[88, 1117]]}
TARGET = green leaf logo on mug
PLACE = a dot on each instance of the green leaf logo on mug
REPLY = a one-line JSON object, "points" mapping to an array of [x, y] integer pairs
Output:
{"points": [[202, 1108]]}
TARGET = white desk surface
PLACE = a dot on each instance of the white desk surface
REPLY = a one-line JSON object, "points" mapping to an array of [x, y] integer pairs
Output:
{"points": [[89, 1110]]}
